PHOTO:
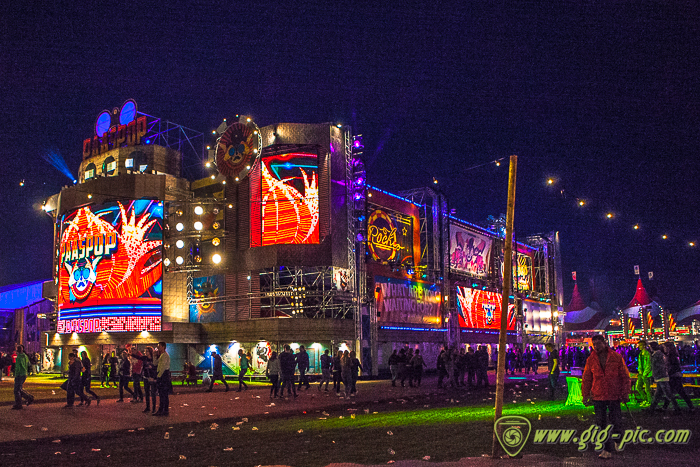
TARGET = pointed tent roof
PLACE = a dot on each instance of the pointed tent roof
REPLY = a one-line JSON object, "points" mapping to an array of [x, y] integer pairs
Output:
{"points": [[576, 303], [587, 319], [640, 297]]}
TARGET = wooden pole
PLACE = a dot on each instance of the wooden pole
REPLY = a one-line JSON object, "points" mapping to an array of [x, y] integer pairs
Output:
{"points": [[507, 279]]}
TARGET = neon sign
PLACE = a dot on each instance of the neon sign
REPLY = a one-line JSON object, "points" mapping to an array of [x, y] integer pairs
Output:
{"points": [[389, 236], [110, 270], [116, 129], [284, 200]]}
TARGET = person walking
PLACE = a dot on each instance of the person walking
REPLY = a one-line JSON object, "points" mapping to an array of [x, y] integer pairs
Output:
{"points": [[356, 367], [104, 370], [393, 367], [218, 372], [326, 364], [401, 363], [606, 384], [482, 367], [287, 366], [470, 365], [114, 369], [675, 375], [552, 368], [21, 365], [244, 365], [124, 376], [273, 374], [303, 364], [643, 385], [659, 370], [37, 363], [418, 363], [337, 375], [75, 382], [163, 381], [460, 366], [150, 376], [136, 374], [346, 372], [407, 369], [441, 368], [87, 376]]}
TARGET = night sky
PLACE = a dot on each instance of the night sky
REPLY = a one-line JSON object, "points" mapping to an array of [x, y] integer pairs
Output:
{"points": [[601, 96]]}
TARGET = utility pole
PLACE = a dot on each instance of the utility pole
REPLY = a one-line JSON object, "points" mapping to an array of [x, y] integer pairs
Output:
{"points": [[507, 279]]}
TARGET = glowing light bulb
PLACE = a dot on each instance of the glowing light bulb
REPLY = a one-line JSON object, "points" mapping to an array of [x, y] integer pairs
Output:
{"points": [[215, 241], [89, 196], [636, 227], [208, 164], [691, 243], [498, 163], [609, 215], [247, 119], [213, 177], [180, 226], [198, 225], [664, 237], [180, 244], [550, 181], [216, 259], [581, 203], [179, 260], [166, 261], [199, 210]]}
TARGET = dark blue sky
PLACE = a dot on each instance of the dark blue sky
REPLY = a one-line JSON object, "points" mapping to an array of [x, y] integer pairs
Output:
{"points": [[604, 96]]}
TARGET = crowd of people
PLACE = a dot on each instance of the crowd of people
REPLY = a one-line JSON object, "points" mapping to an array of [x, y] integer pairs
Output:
{"points": [[8, 361]]}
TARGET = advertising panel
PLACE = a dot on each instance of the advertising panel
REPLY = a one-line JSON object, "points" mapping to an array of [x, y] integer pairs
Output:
{"points": [[204, 307], [284, 200], [110, 268], [522, 272], [403, 301], [482, 309], [470, 252], [390, 236], [538, 316]]}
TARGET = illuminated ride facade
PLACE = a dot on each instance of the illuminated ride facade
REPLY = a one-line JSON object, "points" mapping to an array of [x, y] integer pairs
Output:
{"points": [[269, 236]]}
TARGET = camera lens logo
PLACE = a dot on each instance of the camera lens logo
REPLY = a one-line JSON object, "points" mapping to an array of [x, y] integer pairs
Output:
{"points": [[512, 432]]}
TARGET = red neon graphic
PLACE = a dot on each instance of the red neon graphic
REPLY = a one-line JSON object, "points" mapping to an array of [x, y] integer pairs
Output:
{"points": [[286, 208], [482, 309]]}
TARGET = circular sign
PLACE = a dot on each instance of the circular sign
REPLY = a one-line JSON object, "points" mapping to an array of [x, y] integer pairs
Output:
{"points": [[104, 121], [381, 237], [237, 149]]}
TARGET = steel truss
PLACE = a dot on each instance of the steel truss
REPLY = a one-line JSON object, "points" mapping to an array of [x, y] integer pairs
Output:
{"points": [[185, 140]]}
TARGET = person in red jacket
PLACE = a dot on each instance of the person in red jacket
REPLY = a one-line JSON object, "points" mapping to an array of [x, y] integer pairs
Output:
{"points": [[606, 382]]}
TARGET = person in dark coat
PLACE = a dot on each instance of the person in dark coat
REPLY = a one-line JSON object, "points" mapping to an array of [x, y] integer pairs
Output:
{"points": [[218, 372], [303, 364], [337, 372], [482, 367], [75, 382], [470, 364], [124, 376], [675, 375], [287, 366], [150, 375], [87, 376]]}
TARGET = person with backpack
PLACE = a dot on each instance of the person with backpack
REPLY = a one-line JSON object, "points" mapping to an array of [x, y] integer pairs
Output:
{"points": [[273, 374], [417, 363], [217, 372]]}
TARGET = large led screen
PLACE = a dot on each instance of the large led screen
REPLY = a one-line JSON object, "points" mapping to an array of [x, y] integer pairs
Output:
{"points": [[403, 301], [470, 252], [481, 309], [110, 268], [537, 316], [390, 236], [284, 200]]}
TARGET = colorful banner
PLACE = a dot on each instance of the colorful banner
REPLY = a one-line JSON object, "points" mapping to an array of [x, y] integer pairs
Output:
{"points": [[537, 316], [205, 292], [470, 253], [390, 236], [522, 272], [402, 301], [481, 309], [284, 200], [342, 280], [110, 268]]}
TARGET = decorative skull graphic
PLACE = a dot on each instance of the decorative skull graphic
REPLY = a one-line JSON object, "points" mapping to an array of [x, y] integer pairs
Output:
{"points": [[81, 278]]}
